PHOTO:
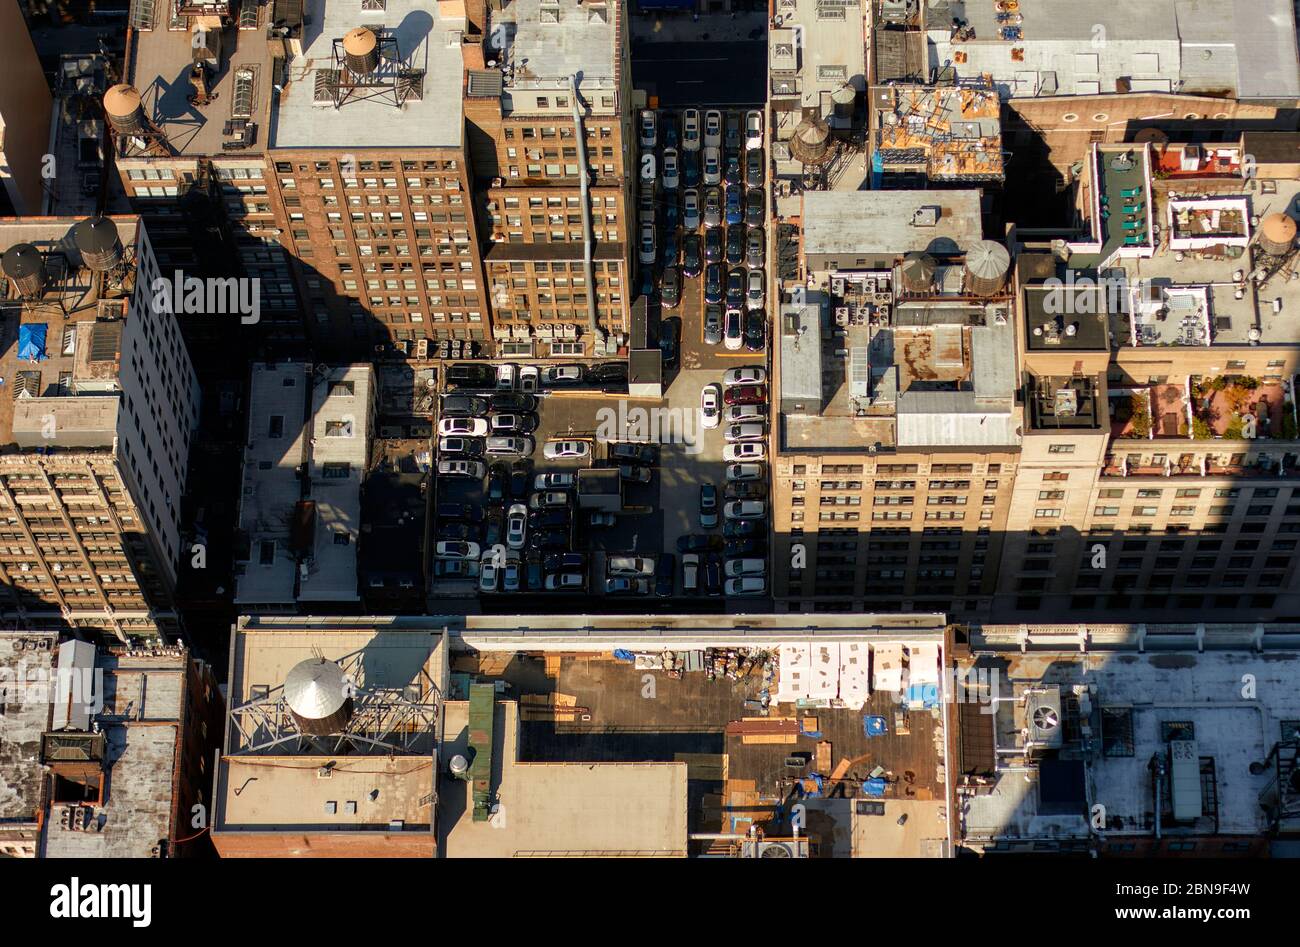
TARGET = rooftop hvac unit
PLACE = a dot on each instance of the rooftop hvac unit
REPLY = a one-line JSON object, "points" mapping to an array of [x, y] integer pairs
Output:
{"points": [[837, 286], [1043, 719], [1184, 780], [926, 217], [860, 372]]}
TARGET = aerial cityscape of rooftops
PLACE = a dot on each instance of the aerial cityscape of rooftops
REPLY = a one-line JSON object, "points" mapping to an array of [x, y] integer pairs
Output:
{"points": [[649, 429]]}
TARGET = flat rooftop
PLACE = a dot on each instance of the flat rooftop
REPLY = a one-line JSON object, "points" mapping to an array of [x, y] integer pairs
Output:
{"points": [[1062, 402], [22, 723], [1066, 318], [831, 50], [730, 770], [1199, 692], [160, 63], [1205, 279], [545, 51], [142, 716], [1245, 48], [370, 117], [278, 789], [882, 222], [65, 342], [286, 529], [594, 808]]}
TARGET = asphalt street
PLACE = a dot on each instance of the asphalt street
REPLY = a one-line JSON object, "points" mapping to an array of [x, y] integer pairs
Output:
{"points": [[703, 74]]}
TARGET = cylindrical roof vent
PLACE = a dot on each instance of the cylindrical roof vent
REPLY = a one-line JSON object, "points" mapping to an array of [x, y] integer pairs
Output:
{"points": [[1277, 234], [319, 695], [96, 238], [361, 50], [24, 264], [124, 109]]}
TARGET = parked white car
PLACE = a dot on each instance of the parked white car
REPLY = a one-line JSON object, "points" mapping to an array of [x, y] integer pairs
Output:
{"points": [[690, 572], [744, 509], [516, 525], [671, 173], [560, 450], [474, 469], [741, 472], [740, 413], [745, 375], [649, 128], [738, 567], [755, 290], [744, 452], [630, 565], [463, 427], [712, 166], [509, 446], [561, 581], [733, 330], [646, 248], [506, 377], [745, 432], [710, 404], [456, 550], [753, 129], [528, 376], [691, 129], [691, 209], [555, 481], [488, 573], [746, 585], [713, 129]]}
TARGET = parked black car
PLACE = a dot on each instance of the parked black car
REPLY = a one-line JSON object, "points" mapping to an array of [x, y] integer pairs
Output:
{"points": [[459, 511], [498, 482], [549, 539], [713, 283], [549, 519], [755, 330], [521, 477], [665, 575], [462, 532], [754, 167], [740, 529], [736, 244], [670, 334], [699, 542], [741, 548], [512, 402], [464, 406], [713, 245], [712, 576], [634, 453], [692, 256], [747, 490], [467, 375], [670, 288], [755, 206]]}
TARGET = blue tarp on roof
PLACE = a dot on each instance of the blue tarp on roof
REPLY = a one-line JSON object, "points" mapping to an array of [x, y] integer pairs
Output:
{"points": [[31, 341], [874, 787], [874, 726], [925, 694]]}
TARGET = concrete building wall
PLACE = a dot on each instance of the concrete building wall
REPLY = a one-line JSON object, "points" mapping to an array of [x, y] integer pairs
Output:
{"points": [[25, 113]]}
